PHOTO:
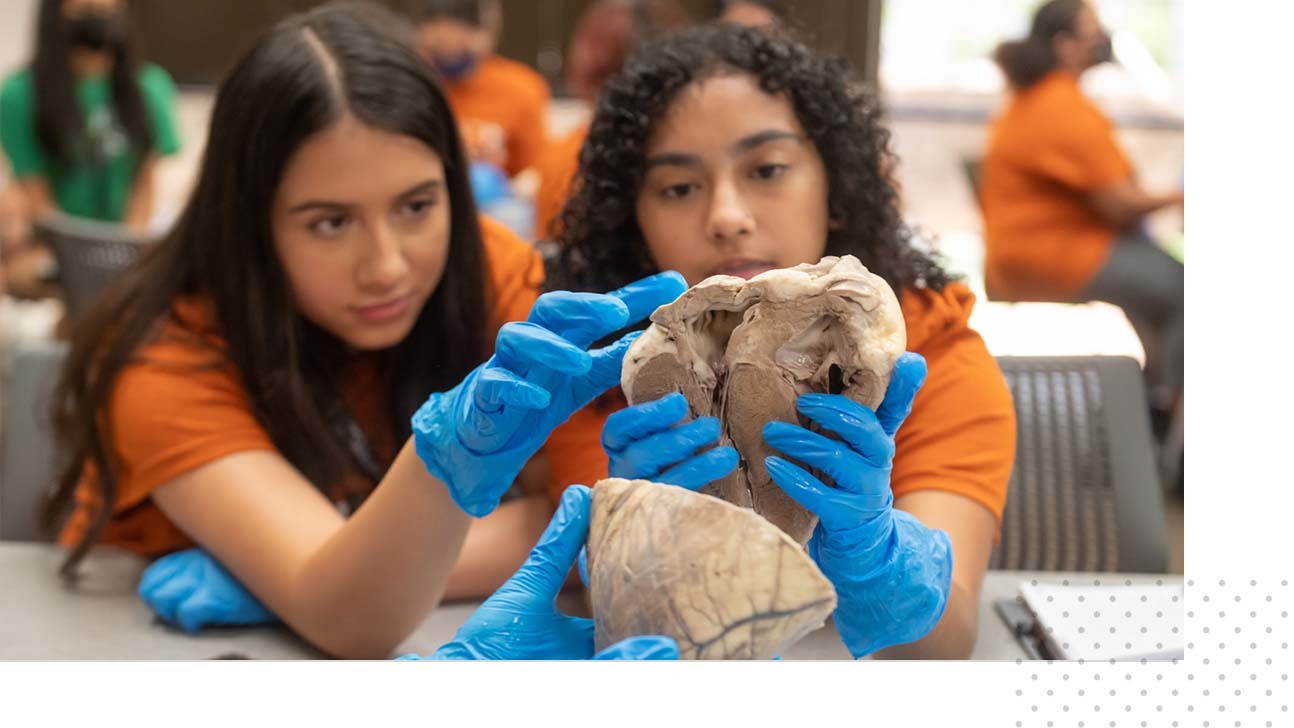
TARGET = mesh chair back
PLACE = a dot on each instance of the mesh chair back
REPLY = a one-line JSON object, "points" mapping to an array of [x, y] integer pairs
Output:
{"points": [[91, 255], [1085, 492]]}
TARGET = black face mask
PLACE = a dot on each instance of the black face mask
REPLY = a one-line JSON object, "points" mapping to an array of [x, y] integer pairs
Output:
{"points": [[95, 31]]}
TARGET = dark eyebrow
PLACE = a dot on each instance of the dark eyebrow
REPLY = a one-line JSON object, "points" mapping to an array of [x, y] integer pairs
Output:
{"points": [[754, 140], [745, 144], [674, 159], [421, 188]]}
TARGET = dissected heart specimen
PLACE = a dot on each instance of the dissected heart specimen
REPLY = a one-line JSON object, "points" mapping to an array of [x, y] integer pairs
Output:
{"points": [[743, 350], [721, 580]]}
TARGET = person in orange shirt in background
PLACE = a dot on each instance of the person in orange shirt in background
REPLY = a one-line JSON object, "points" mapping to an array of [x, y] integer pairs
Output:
{"points": [[501, 105], [732, 150], [322, 377], [1063, 210], [603, 37]]}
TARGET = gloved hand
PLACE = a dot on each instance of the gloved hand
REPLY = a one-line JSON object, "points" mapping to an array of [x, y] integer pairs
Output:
{"points": [[642, 442], [654, 647], [476, 437], [892, 574], [192, 590], [520, 621]]}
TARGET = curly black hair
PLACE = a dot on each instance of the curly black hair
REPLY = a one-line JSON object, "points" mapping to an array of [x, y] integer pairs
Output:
{"points": [[601, 244]]}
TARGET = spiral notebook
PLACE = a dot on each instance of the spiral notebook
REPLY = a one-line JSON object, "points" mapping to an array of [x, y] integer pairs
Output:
{"points": [[1107, 622]]}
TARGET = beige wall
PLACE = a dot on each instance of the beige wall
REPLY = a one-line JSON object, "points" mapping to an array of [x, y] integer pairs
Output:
{"points": [[17, 25]]}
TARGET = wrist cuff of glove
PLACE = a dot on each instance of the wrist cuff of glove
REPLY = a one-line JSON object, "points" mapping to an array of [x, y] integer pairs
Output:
{"points": [[902, 600], [468, 483]]}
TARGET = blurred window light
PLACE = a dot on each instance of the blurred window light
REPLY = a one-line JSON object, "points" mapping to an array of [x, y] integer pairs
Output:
{"points": [[945, 46]]}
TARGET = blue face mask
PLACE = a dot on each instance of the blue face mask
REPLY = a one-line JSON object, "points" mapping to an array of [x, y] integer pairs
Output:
{"points": [[455, 68]]}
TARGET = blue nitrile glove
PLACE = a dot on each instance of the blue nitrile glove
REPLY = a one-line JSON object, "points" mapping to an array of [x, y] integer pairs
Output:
{"points": [[476, 437], [489, 183], [654, 647], [520, 621], [892, 574], [192, 590], [642, 442]]}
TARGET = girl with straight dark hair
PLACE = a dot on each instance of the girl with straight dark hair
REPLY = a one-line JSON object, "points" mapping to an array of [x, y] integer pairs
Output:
{"points": [[258, 385]]}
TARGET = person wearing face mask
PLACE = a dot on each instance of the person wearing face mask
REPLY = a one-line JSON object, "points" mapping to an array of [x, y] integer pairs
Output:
{"points": [[83, 125], [605, 34], [1063, 209], [500, 104]]}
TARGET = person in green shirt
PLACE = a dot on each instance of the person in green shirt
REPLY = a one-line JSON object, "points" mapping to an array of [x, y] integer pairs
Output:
{"points": [[84, 124]]}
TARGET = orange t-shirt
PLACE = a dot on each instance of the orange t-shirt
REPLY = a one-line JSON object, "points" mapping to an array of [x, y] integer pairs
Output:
{"points": [[557, 166], [179, 406], [959, 438], [502, 101], [1048, 149]]}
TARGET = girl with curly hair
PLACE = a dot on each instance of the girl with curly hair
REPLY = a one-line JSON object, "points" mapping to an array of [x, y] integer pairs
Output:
{"points": [[736, 151]]}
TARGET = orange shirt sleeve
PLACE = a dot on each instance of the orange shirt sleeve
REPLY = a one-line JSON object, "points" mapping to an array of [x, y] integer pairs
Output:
{"points": [[173, 410], [960, 437]]}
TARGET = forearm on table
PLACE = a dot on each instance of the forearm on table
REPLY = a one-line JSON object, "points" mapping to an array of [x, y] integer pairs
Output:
{"points": [[367, 587], [1123, 204]]}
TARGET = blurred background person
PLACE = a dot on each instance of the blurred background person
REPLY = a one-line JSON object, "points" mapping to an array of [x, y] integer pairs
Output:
{"points": [[501, 104], [752, 13], [1063, 209], [83, 125], [602, 39]]}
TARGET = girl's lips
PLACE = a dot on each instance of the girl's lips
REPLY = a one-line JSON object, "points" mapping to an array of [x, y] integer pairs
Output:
{"points": [[742, 269], [384, 311]]}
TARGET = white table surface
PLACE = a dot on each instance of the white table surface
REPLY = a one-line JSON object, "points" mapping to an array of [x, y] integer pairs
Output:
{"points": [[101, 618]]}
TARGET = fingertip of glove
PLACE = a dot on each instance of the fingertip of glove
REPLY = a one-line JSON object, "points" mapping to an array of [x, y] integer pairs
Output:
{"points": [[778, 429], [573, 500], [673, 276], [656, 647]]}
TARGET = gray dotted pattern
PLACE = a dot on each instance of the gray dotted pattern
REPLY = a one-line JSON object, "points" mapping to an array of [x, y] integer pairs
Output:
{"points": [[1235, 673]]}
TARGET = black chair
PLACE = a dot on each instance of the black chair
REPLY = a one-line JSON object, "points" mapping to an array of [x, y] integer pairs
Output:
{"points": [[27, 439], [90, 254], [1085, 493]]}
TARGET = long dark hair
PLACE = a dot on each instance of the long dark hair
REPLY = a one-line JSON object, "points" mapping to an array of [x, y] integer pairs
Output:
{"points": [[60, 122], [602, 246], [299, 78], [1025, 62]]}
